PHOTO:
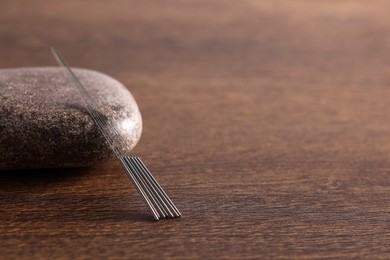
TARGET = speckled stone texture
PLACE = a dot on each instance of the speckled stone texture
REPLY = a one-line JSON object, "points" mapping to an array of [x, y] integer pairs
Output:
{"points": [[44, 123]]}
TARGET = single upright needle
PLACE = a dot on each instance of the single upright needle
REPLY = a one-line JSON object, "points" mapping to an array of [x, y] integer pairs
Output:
{"points": [[154, 196]]}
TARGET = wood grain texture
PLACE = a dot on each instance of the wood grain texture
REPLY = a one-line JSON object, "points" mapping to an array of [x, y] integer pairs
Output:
{"points": [[267, 122]]}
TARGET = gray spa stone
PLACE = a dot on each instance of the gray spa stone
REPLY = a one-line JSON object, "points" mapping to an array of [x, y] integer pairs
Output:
{"points": [[44, 123]]}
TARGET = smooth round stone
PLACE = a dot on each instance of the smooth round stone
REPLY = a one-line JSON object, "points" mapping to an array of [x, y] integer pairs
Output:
{"points": [[44, 122]]}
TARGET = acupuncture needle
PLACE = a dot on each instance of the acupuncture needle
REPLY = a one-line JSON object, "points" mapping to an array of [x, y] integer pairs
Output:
{"points": [[158, 202]]}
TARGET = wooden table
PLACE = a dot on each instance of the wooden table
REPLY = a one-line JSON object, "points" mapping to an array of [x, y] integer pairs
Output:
{"points": [[267, 122]]}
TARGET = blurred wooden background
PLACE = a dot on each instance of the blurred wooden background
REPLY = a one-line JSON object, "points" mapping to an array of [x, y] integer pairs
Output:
{"points": [[267, 122]]}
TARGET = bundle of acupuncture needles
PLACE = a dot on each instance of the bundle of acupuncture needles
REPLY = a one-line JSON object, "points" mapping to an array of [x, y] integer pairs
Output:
{"points": [[157, 200]]}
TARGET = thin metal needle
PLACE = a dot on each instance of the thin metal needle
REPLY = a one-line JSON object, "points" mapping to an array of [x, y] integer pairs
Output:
{"points": [[146, 188], [158, 187], [140, 190], [161, 201], [154, 196]]}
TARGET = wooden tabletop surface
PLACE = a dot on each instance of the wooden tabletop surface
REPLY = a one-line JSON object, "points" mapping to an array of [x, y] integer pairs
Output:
{"points": [[267, 122]]}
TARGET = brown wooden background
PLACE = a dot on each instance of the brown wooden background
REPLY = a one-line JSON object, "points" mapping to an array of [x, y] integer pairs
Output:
{"points": [[267, 122]]}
